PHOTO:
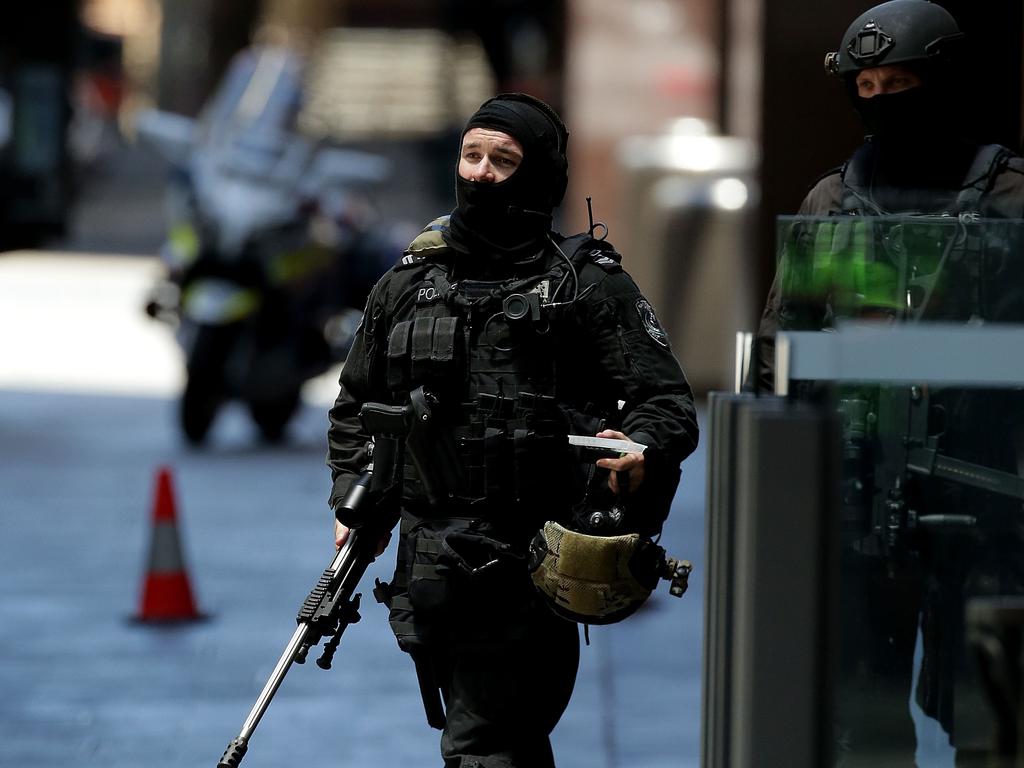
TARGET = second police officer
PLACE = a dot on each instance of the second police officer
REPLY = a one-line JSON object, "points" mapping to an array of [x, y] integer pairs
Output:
{"points": [[513, 337], [902, 64]]}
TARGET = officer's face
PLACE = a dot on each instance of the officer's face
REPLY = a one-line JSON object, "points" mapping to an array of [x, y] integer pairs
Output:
{"points": [[488, 155], [892, 78]]}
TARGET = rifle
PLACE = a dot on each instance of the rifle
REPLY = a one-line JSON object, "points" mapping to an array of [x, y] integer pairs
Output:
{"points": [[902, 269], [886, 442], [333, 603]]}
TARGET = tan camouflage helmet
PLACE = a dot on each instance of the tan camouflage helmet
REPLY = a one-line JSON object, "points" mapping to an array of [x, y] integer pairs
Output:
{"points": [[600, 579]]}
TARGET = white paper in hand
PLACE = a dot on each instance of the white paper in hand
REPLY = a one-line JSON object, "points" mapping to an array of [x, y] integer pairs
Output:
{"points": [[607, 444]]}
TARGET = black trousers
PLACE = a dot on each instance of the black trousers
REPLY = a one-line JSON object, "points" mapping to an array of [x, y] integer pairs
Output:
{"points": [[505, 687], [877, 634], [881, 610]]}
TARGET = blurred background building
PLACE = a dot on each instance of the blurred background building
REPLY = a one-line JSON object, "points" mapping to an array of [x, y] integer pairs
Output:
{"points": [[694, 124], [665, 99]]}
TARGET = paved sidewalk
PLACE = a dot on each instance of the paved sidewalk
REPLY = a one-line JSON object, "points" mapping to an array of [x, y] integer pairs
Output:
{"points": [[85, 686]]}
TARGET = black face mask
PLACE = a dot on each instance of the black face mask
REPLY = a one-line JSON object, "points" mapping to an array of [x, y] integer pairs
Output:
{"points": [[918, 115], [504, 214], [918, 159]]}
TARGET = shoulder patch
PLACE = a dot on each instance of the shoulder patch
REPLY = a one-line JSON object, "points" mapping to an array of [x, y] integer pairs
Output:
{"points": [[608, 260], [582, 248], [410, 260], [650, 322]]}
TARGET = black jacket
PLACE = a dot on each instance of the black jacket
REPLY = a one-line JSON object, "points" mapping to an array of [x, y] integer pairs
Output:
{"points": [[609, 348], [1002, 198]]}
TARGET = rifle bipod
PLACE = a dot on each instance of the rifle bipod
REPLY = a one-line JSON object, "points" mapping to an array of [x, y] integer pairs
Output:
{"points": [[327, 611]]}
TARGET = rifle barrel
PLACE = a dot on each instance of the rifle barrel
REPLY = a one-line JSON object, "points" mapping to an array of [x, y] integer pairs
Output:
{"points": [[274, 682], [345, 561]]}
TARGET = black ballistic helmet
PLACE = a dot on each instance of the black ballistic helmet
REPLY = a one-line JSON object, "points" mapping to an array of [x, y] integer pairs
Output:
{"points": [[896, 32]]}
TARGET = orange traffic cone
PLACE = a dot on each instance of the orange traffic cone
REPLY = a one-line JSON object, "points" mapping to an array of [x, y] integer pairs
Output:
{"points": [[166, 595]]}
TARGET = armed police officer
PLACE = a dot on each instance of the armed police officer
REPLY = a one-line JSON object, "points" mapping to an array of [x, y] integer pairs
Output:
{"points": [[917, 156], [506, 337], [900, 63]]}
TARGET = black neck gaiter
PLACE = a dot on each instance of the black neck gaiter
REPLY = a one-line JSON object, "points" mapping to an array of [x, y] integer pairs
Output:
{"points": [[914, 115], [918, 160], [491, 222]]}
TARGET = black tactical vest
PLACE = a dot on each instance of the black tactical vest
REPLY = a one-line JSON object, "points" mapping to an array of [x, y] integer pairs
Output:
{"points": [[987, 164], [488, 351]]}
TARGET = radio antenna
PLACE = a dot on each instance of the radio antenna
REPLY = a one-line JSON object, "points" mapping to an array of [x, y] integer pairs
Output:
{"points": [[595, 225]]}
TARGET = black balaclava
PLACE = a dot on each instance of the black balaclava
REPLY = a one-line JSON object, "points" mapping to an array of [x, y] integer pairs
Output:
{"points": [[919, 155], [508, 222]]}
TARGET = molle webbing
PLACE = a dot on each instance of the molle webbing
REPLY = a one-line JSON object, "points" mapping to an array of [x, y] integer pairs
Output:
{"points": [[396, 594], [988, 163], [506, 448]]}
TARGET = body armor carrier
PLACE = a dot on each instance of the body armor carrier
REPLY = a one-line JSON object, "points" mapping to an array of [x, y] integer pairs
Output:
{"points": [[988, 163], [488, 354], [487, 351]]}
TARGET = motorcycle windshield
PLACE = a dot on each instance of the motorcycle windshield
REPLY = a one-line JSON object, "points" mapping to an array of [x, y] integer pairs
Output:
{"points": [[249, 121]]}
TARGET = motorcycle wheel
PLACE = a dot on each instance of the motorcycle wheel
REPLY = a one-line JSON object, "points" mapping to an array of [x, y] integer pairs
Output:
{"points": [[204, 388], [272, 416]]}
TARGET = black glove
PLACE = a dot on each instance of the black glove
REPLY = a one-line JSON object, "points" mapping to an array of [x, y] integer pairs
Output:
{"points": [[355, 510]]}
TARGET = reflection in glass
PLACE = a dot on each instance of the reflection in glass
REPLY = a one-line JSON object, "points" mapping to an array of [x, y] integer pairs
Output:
{"points": [[931, 495]]}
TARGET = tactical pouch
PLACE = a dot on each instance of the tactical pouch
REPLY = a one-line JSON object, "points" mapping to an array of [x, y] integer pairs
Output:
{"points": [[421, 344], [445, 347], [456, 571], [480, 455], [424, 351], [497, 463], [449, 574], [396, 594], [429, 591], [516, 466], [410, 633], [473, 555], [398, 355]]}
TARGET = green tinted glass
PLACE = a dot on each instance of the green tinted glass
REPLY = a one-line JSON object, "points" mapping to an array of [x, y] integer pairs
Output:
{"points": [[901, 268]]}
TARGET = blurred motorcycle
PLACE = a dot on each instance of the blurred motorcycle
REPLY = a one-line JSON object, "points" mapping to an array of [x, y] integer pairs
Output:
{"points": [[272, 244]]}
